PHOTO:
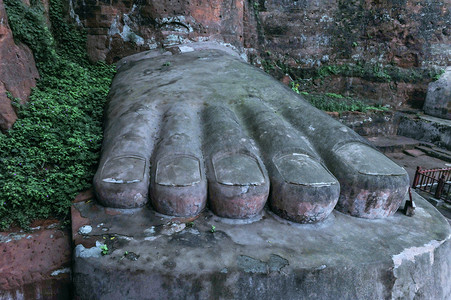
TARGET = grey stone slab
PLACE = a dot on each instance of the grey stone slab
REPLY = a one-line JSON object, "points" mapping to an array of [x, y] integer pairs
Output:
{"points": [[366, 161], [426, 128]]}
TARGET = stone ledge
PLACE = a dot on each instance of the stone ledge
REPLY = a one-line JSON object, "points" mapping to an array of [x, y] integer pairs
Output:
{"points": [[151, 256], [426, 128]]}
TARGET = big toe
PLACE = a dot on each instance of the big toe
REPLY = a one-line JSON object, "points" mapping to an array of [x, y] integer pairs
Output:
{"points": [[372, 185]]}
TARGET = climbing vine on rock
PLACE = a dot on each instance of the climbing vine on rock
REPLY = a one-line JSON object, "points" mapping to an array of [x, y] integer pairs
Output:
{"points": [[50, 153]]}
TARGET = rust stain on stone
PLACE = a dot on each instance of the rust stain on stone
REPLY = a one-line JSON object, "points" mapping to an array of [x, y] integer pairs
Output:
{"points": [[84, 196]]}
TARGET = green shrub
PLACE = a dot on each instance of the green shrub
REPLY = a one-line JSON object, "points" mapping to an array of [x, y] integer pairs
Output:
{"points": [[335, 102], [374, 72], [50, 153], [327, 103]]}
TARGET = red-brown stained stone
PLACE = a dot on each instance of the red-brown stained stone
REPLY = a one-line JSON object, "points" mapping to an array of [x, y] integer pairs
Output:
{"points": [[18, 72], [83, 196], [28, 259], [159, 23], [77, 222], [237, 205], [180, 201]]}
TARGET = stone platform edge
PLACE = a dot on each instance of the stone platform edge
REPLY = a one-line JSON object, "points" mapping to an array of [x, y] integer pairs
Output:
{"points": [[151, 256]]}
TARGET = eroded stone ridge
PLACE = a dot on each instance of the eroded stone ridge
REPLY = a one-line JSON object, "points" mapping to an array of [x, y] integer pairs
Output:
{"points": [[202, 126]]}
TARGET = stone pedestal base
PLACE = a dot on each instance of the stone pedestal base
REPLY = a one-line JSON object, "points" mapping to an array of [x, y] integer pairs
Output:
{"points": [[150, 256]]}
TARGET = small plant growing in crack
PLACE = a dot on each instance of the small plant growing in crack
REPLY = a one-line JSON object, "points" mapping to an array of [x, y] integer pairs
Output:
{"points": [[213, 228], [104, 249]]}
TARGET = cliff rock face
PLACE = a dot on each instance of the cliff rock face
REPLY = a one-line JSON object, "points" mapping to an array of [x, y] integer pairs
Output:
{"points": [[405, 33], [120, 28], [411, 37], [288, 37], [18, 72]]}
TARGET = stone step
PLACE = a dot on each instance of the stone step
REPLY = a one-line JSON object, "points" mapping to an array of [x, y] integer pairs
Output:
{"points": [[414, 152], [395, 143], [425, 128], [435, 152]]}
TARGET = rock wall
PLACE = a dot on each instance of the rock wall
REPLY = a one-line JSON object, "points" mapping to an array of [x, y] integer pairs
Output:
{"points": [[405, 33], [370, 123], [120, 28], [410, 37], [289, 37], [35, 264], [18, 72]]}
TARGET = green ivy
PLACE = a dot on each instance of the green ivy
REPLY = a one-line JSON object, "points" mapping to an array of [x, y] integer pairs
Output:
{"points": [[335, 102], [339, 103], [374, 72], [50, 153], [377, 72]]}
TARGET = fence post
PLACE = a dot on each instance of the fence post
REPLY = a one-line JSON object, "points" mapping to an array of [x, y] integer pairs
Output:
{"points": [[440, 185], [409, 207], [417, 177]]}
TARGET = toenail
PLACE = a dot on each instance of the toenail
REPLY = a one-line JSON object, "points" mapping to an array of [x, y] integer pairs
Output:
{"points": [[363, 159], [178, 171], [300, 169], [238, 169], [124, 169]]}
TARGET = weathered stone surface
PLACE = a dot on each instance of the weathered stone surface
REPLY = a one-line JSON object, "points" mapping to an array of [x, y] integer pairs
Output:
{"points": [[394, 143], [155, 257], [438, 99], [18, 71], [395, 93], [407, 33], [203, 109], [35, 264]]}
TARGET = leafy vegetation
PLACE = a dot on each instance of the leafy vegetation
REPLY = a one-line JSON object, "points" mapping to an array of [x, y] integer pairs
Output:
{"points": [[50, 153], [370, 71], [105, 250], [328, 103], [378, 73], [336, 102]]}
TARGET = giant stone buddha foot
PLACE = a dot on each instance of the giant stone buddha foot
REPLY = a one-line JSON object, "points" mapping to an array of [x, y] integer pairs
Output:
{"points": [[203, 128]]}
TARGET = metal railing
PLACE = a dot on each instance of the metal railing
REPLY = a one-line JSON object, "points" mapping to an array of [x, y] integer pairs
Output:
{"points": [[436, 182]]}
